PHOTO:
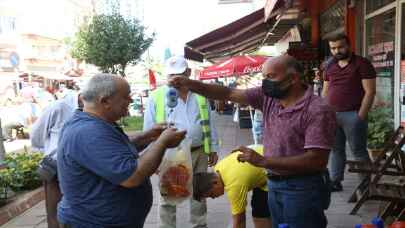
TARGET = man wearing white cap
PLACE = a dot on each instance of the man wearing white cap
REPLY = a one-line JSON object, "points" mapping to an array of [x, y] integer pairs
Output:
{"points": [[187, 111]]}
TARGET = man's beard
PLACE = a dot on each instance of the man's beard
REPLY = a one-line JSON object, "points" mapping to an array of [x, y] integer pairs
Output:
{"points": [[341, 56]]}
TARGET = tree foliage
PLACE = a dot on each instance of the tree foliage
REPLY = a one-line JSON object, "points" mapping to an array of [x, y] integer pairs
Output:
{"points": [[111, 42], [380, 126]]}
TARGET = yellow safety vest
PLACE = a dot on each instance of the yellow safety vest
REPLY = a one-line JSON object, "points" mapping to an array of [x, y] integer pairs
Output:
{"points": [[159, 97]]}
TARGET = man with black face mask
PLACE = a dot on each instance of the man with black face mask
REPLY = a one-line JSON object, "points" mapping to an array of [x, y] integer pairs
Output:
{"points": [[349, 87], [299, 131]]}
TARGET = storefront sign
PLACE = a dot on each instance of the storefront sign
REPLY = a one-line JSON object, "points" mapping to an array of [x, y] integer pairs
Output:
{"points": [[304, 54], [382, 54], [250, 69]]}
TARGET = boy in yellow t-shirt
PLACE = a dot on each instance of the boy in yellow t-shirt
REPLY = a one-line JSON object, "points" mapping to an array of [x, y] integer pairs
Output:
{"points": [[237, 179]]}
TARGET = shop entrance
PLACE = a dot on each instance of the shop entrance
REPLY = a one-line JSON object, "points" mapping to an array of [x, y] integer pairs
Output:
{"points": [[380, 32]]}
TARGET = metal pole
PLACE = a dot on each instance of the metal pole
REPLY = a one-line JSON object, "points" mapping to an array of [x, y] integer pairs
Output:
{"points": [[2, 149]]}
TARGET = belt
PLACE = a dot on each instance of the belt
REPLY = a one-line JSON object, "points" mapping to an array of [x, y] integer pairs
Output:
{"points": [[275, 177], [195, 148]]}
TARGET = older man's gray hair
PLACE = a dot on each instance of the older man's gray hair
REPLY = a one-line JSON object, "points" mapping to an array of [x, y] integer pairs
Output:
{"points": [[99, 86]]}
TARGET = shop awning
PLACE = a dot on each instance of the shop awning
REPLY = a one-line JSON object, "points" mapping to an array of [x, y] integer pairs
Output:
{"points": [[245, 34], [235, 66]]}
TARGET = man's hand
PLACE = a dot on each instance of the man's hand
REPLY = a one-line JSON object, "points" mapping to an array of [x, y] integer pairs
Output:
{"points": [[171, 137], [362, 116], [251, 156], [178, 81], [156, 130], [212, 159]]}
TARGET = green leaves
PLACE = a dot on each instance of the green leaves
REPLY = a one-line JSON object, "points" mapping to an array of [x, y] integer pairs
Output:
{"points": [[111, 42], [20, 173], [132, 123], [380, 127]]}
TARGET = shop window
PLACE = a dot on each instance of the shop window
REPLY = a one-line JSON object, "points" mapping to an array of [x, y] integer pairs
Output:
{"points": [[372, 5], [380, 50], [402, 65]]}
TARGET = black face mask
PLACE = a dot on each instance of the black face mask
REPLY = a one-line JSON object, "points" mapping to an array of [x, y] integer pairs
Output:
{"points": [[275, 89]]}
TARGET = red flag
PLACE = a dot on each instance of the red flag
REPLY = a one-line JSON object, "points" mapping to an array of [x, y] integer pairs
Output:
{"points": [[152, 80]]}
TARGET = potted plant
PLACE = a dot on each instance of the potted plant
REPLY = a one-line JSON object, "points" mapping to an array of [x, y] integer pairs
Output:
{"points": [[380, 129]]}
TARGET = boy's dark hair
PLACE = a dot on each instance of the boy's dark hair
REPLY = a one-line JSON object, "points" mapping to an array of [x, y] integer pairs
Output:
{"points": [[202, 183], [339, 36]]}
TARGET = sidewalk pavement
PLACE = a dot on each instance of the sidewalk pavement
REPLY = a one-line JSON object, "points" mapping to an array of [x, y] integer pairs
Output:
{"points": [[218, 209]]}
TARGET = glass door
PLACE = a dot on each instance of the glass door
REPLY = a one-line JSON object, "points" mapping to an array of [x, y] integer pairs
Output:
{"points": [[402, 59], [380, 50]]}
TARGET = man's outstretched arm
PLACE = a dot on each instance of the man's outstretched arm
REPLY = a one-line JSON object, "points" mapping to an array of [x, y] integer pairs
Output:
{"points": [[210, 91]]}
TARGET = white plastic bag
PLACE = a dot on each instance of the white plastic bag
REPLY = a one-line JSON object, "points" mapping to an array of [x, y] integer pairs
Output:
{"points": [[236, 115], [176, 174]]}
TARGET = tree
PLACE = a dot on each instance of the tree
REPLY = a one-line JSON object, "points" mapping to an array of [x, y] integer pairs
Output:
{"points": [[111, 42]]}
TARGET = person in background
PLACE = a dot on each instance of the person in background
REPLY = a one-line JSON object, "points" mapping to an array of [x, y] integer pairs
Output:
{"points": [[257, 127], [18, 115], [44, 137], [45, 98], [30, 109], [237, 179], [349, 87], [219, 105], [318, 81], [8, 126]]}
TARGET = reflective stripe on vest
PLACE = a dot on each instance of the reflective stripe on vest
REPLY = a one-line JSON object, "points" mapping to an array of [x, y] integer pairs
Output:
{"points": [[205, 122], [159, 97]]}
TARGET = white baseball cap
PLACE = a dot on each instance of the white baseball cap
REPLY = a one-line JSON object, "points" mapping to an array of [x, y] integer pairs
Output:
{"points": [[176, 65]]}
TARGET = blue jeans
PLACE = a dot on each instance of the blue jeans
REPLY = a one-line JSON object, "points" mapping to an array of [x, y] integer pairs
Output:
{"points": [[351, 128], [300, 202]]}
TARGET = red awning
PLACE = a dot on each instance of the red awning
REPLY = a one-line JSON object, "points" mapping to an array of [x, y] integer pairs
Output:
{"points": [[235, 66], [152, 79], [244, 35]]}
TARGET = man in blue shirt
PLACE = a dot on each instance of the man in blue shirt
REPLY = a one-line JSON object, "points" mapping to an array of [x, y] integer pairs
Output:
{"points": [[105, 183]]}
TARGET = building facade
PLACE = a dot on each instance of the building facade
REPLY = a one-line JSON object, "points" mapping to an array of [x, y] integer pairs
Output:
{"points": [[130, 9], [32, 40], [376, 29]]}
